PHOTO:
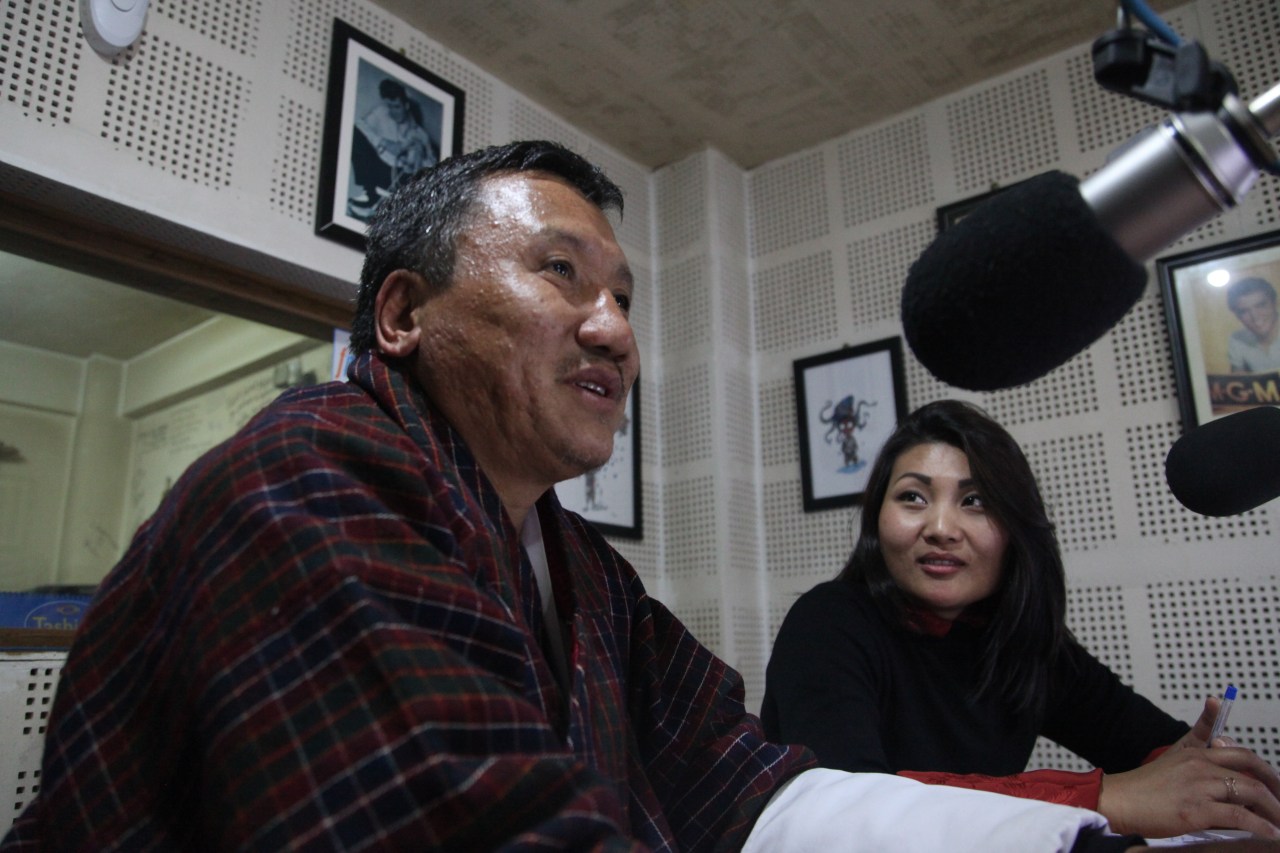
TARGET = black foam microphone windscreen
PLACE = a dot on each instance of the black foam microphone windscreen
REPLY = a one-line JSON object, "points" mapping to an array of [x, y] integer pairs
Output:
{"points": [[1229, 465], [1021, 284]]}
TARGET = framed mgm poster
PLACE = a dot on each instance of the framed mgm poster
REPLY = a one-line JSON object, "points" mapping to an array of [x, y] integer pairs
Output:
{"points": [[385, 118], [848, 403], [1224, 328]]}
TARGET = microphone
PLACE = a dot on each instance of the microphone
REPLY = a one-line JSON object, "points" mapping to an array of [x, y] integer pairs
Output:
{"points": [[1038, 272], [1227, 466]]}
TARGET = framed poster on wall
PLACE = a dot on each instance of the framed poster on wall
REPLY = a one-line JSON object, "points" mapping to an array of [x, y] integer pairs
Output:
{"points": [[848, 402], [1220, 303]]}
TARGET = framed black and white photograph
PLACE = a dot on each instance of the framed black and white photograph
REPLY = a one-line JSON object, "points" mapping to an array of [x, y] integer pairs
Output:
{"points": [[610, 496], [385, 118], [848, 402], [1220, 302]]}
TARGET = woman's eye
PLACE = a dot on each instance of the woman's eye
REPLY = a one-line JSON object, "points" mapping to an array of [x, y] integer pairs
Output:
{"points": [[910, 497], [624, 302], [974, 501]]}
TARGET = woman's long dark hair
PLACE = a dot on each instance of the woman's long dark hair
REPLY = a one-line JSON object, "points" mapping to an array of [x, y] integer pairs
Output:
{"points": [[1027, 627]]}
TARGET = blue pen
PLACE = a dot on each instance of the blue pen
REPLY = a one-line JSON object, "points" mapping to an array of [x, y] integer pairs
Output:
{"points": [[1224, 710]]}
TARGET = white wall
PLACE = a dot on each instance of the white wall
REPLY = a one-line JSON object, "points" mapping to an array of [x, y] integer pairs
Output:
{"points": [[40, 396], [99, 441]]}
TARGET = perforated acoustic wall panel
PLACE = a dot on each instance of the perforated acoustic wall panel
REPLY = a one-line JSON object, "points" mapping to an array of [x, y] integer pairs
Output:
{"points": [[1011, 112], [686, 305], [1176, 603], [28, 681], [297, 160], [1216, 631], [1067, 392], [802, 550], [1074, 481], [530, 122], [875, 271], [1143, 354], [234, 25], [681, 196], [1161, 518], [778, 423], [692, 546], [633, 229], [797, 187], [711, 438], [310, 33], [884, 171], [796, 302], [40, 59], [188, 126]]}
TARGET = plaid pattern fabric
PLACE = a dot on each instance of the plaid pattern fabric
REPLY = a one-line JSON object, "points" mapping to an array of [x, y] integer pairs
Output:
{"points": [[324, 640]]}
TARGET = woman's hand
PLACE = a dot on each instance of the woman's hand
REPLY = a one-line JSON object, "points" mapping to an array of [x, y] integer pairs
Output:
{"points": [[1190, 788]]}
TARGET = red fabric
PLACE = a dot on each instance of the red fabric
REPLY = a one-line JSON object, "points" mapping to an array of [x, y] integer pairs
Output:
{"points": [[924, 621], [1050, 786]]}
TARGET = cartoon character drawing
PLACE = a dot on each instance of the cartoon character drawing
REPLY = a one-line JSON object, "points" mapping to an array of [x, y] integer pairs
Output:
{"points": [[591, 484], [846, 419], [593, 490]]}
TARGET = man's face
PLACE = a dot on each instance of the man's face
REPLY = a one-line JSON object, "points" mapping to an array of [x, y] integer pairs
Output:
{"points": [[397, 108], [1257, 312], [528, 351]]}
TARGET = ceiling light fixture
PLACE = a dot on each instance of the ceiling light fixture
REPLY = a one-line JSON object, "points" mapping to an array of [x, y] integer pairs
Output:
{"points": [[110, 26]]}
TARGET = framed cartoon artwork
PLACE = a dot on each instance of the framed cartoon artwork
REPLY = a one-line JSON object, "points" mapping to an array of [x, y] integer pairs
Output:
{"points": [[610, 496], [1220, 303], [848, 402], [385, 118]]}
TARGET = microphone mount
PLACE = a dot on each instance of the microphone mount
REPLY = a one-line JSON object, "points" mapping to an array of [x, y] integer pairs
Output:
{"points": [[1156, 67], [1180, 78], [1144, 197]]}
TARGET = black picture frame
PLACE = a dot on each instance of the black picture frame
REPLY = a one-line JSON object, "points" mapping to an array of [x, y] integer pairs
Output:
{"points": [[371, 142], [611, 496], [1207, 337], [950, 214], [848, 403]]}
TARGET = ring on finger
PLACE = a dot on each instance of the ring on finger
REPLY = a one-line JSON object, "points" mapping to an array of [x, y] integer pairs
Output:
{"points": [[1232, 794]]}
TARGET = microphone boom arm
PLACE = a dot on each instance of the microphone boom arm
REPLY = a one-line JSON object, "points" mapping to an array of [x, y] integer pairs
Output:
{"points": [[1143, 196]]}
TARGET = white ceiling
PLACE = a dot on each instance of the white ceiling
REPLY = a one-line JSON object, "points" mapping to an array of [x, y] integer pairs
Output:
{"points": [[52, 308], [756, 79]]}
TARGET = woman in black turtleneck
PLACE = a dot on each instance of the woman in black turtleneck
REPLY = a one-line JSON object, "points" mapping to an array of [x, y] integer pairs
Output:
{"points": [[941, 652]]}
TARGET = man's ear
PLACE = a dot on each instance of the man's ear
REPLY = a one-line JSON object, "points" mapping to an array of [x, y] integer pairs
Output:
{"points": [[395, 325]]}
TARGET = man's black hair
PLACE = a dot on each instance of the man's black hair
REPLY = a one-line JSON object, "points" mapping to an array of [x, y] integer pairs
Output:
{"points": [[1245, 286]]}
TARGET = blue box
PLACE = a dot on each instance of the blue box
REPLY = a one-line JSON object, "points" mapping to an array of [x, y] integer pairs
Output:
{"points": [[47, 610]]}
